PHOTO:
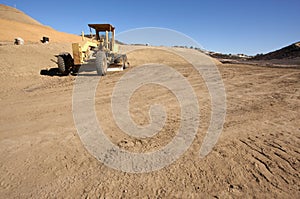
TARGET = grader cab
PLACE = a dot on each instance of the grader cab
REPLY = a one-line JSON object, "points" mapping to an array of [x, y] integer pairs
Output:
{"points": [[101, 46]]}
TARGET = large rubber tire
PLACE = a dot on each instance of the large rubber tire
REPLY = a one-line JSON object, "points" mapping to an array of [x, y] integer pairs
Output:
{"points": [[125, 64], [101, 63], [61, 65], [65, 63]]}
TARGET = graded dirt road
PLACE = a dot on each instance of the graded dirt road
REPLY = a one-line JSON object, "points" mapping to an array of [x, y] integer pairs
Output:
{"points": [[257, 154]]}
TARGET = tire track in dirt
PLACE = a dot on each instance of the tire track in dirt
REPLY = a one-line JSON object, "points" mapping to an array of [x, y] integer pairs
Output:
{"points": [[273, 163]]}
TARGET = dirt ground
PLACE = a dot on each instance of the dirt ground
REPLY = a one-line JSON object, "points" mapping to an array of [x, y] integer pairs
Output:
{"points": [[257, 154]]}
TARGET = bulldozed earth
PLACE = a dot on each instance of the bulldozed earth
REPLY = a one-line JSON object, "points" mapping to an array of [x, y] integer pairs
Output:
{"points": [[257, 153], [42, 156]]}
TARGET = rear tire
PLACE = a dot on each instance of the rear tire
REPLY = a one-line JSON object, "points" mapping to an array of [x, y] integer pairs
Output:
{"points": [[65, 63], [125, 64], [101, 63], [61, 65]]}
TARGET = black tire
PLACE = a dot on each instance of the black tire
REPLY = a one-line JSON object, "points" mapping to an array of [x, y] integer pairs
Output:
{"points": [[65, 63], [125, 64], [61, 65], [101, 63]]}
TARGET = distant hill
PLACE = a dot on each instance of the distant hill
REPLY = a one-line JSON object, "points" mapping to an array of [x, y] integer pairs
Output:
{"points": [[289, 52], [285, 57], [14, 23], [13, 14]]}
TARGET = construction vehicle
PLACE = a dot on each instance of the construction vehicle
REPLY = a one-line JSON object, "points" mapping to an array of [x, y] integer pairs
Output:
{"points": [[100, 46]]}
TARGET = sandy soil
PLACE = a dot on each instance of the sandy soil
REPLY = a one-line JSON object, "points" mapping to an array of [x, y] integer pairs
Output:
{"points": [[257, 155]]}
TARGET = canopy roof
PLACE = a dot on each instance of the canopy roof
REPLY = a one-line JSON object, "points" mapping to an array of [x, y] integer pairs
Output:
{"points": [[102, 27]]}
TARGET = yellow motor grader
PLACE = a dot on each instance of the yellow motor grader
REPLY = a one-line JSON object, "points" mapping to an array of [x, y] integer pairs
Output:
{"points": [[100, 46]]}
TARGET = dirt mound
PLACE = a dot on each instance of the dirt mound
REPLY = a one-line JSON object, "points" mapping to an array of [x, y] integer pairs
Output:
{"points": [[14, 23], [289, 52]]}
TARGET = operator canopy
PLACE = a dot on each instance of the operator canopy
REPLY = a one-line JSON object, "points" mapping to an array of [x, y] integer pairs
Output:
{"points": [[102, 27]]}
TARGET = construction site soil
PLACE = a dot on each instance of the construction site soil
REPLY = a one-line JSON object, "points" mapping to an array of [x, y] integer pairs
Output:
{"points": [[42, 156]]}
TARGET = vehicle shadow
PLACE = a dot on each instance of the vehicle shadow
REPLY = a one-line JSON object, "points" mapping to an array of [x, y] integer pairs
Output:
{"points": [[55, 71], [87, 69], [51, 72]]}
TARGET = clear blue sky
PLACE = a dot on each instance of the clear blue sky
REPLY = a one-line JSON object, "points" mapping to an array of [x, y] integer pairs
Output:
{"points": [[228, 26]]}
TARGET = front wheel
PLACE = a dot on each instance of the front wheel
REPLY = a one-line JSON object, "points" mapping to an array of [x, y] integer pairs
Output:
{"points": [[101, 63]]}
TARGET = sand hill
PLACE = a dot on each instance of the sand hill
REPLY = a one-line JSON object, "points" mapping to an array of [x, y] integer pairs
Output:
{"points": [[14, 23], [13, 14]]}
